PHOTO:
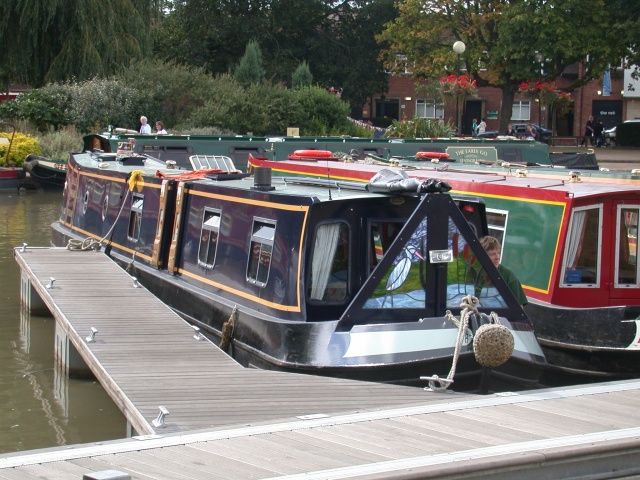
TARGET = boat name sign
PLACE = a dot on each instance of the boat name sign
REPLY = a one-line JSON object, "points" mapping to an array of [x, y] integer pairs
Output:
{"points": [[441, 256], [473, 153]]}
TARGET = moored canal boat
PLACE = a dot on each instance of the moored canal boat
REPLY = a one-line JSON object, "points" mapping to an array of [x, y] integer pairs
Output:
{"points": [[305, 276], [571, 240]]}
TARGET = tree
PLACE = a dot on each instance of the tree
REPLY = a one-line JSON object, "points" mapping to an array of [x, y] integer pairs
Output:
{"points": [[301, 77], [61, 39], [250, 70], [504, 41]]}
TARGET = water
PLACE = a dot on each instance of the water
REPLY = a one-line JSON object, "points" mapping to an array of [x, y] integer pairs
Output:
{"points": [[40, 408]]}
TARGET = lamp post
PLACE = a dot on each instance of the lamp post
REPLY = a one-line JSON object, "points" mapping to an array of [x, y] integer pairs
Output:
{"points": [[539, 60], [458, 47]]}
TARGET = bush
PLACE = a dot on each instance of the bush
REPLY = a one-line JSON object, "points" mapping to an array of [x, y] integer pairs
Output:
{"points": [[169, 92], [99, 102], [319, 112], [628, 134], [221, 109], [419, 128], [58, 145], [22, 146], [45, 107]]}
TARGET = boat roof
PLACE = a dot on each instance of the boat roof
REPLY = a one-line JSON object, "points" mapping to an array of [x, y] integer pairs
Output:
{"points": [[319, 189], [568, 182]]}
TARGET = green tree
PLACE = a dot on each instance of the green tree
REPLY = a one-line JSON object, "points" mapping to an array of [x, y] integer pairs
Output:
{"points": [[62, 39], [506, 42], [250, 70], [301, 77]]}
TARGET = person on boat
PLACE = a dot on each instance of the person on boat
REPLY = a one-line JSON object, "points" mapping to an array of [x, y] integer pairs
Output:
{"points": [[145, 128], [493, 248], [160, 128]]}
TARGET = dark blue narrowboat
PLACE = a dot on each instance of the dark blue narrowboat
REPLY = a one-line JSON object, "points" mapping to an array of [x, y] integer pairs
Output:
{"points": [[340, 279]]}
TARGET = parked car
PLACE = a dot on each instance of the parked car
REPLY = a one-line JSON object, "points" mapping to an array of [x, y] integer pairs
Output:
{"points": [[542, 134], [610, 133]]}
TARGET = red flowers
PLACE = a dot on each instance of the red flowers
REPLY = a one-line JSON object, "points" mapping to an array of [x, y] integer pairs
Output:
{"points": [[546, 92], [457, 84]]}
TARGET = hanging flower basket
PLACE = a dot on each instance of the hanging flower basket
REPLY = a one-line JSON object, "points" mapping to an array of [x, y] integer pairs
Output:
{"points": [[457, 85]]}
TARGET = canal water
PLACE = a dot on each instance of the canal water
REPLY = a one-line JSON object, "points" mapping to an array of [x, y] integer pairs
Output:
{"points": [[40, 408]]}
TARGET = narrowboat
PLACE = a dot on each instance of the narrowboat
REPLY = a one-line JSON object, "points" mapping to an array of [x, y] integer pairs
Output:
{"points": [[571, 240], [303, 275], [45, 171]]}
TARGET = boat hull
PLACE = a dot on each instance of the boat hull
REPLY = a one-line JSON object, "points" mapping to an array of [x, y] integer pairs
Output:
{"points": [[262, 341], [598, 343]]}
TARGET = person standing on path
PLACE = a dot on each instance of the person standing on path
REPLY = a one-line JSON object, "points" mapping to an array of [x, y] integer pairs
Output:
{"points": [[588, 132]]}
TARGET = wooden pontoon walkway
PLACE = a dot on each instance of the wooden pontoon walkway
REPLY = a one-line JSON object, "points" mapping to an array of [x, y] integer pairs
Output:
{"points": [[267, 425], [145, 355]]}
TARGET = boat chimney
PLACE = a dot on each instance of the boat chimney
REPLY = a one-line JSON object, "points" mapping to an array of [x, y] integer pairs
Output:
{"points": [[262, 179]]}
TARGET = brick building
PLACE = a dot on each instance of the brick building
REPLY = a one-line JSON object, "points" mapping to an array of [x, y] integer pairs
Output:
{"points": [[401, 102]]}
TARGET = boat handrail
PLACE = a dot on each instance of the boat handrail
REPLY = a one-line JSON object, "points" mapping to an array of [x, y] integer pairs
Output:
{"points": [[209, 162]]}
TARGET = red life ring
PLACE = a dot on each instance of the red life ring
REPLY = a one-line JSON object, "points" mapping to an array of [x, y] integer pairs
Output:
{"points": [[310, 155], [439, 155]]}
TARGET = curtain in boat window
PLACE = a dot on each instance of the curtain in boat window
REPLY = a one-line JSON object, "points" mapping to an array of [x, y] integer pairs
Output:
{"points": [[330, 263], [583, 247]]}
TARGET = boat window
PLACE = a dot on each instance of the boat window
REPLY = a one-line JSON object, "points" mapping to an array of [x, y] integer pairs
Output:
{"points": [[209, 238], [381, 236], [497, 224], [260, 252], [85, 201], [581, 264], [135, 216], [330, 263], [105, 207], [402, 286], [627, 246], [466, 276]]}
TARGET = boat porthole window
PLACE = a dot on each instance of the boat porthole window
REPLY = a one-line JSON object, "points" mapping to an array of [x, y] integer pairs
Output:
{"points": [[260, 252], [85, 201], [135, 217], [209, 238], [105, 207]]}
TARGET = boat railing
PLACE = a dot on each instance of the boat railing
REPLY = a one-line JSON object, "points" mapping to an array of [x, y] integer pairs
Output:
{"points": [[212, 162]]}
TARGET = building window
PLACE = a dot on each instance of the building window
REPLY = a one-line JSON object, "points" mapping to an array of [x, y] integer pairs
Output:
{"points": [[521, 110], [135, 217], [429, 109], [330, 263], [260, 252], [581, 265], [209, 238]]}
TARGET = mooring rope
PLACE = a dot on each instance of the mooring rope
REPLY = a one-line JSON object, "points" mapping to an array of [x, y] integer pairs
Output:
{"points": [[469, 306], [91, 243]]}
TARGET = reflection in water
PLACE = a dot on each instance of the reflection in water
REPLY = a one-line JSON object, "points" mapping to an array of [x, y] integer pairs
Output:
{"points": [[40, 408]]}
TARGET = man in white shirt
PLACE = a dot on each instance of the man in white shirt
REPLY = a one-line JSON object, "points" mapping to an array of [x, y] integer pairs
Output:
{"points": [[145, 128]]}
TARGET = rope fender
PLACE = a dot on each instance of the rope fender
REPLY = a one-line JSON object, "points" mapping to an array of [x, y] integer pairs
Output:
{"points": [[492, 344]]}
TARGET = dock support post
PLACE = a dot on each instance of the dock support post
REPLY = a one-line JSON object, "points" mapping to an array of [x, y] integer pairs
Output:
{"points": [[30, 297], [67, 358]]}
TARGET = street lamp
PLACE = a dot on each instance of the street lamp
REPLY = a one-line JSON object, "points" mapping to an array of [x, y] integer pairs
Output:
{"points": [[539, 59], [458, 47]]}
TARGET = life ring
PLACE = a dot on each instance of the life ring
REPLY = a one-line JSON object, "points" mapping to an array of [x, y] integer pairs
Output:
{"points": [[438, 155], [310, 155]]}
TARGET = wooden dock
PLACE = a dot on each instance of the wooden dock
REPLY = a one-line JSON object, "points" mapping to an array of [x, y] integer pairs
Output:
{"points": [[228, 422]]}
